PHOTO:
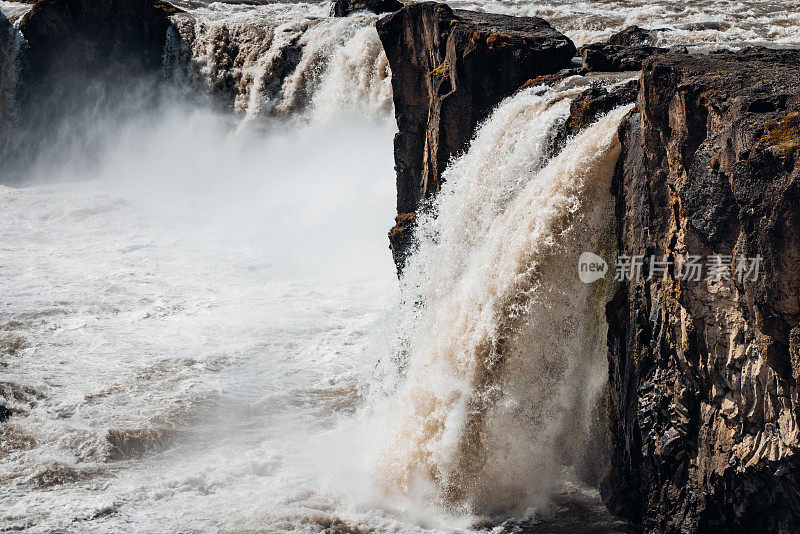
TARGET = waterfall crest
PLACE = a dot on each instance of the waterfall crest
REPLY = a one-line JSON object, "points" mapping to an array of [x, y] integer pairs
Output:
{"points": [[280, 60]]}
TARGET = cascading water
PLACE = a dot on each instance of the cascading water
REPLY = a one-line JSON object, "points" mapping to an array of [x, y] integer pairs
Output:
{"points": [[281, 59], [501, 346]]}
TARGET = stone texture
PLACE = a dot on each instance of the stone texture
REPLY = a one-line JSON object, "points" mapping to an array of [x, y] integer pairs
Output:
{"points": [[596, 101], [604, 57], [449, 70], [632, 36], [704, 374]]}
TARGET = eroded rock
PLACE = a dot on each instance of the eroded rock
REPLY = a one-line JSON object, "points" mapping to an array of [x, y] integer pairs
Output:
{"points": [[704, 373], [633, 36], [604, 57], [596, 101]]}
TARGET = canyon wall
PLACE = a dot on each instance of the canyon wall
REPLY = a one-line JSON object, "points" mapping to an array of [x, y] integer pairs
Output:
{"points": [[704, 372]]}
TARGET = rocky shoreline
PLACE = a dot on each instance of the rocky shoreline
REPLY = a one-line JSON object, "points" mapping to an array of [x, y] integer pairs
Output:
{"points": [[703, 375]]}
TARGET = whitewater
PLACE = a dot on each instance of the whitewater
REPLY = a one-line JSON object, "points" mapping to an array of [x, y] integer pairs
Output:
{"points": [[202, 329]]}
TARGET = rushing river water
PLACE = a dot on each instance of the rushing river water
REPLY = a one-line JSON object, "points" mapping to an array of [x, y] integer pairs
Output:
{"points": [[201, 329]]}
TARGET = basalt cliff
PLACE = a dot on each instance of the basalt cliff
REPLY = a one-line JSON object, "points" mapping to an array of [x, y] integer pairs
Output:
{"points": [[704, 372]]}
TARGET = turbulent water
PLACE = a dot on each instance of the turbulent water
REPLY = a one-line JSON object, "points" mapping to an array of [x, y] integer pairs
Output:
{"points": [[201, 329]]}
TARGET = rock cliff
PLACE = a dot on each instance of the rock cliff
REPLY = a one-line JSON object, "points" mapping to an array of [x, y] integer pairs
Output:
{"points": [[10, 42], [450, 69], [79, 57], [704, 368], [86, 35]]}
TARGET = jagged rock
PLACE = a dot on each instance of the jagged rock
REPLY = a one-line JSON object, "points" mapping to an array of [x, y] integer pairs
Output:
{"points": [[604, 57], [400, 238], [449, 70], [704, 374], [632, 36], [595, 101], [86, 35], [549, 79], [587, 107], [342, 8], [5, 413]]}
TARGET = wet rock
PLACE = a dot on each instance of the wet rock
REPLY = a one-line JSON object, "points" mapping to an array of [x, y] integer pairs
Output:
{"points": [[604, 57], [704, 373], [9, 47], [596, 101], [5, 413], [87, 35], [549, 79], [590, 105], [708, 25], [449, 70], [400, 238], [342, 8], [633, 36]]}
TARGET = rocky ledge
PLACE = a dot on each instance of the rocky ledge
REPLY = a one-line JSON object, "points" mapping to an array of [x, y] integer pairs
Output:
{"points": [[449, 70], [704, 373]]}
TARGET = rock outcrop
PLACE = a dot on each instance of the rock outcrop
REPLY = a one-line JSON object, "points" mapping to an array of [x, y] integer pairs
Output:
{"points": [[704, 369], [624, 51], [342, 8], [633, 36], [449, 70], [87, 35], [604, 57], [596, 101]]}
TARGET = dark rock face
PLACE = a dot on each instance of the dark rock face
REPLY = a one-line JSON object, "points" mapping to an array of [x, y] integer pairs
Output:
{"points": [[603, 57], [9, 48], [704, 373], [400, 238], [86, 35], [449, 70], [632, 36], [342, 8], [82, 58], [5, 413], [596, 101]]}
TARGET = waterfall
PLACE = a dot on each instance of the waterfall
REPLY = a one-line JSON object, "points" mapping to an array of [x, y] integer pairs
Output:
{"points": [[502, 344], [280, 60]]}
